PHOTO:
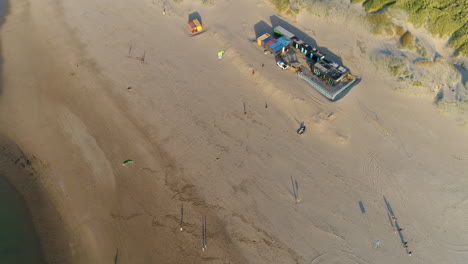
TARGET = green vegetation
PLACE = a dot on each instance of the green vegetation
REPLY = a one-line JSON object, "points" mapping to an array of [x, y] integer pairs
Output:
{"points": [[441, 17], [399, 30], [420, 49], [208, 2], [459, 40], [381, 24], [407, 40], [445, 18], [423, 63], [397, 66], [281, 5], [376, 5]]}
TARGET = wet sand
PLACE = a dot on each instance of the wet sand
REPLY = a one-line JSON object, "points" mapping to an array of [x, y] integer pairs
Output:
{"points": [[18, 238]]}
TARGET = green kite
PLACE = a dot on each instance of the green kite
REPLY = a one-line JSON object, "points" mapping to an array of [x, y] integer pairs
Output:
{"points": [[127, 161]]}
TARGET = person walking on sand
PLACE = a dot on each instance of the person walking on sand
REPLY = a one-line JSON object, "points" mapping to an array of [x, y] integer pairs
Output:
{"points": [[263, 65], [253, 71]]}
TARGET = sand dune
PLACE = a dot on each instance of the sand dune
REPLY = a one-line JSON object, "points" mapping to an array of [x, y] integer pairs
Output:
{"points": [[65, 102]]}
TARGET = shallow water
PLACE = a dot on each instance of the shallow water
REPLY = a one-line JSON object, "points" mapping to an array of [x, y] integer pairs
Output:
{"points": [[18, 240]]}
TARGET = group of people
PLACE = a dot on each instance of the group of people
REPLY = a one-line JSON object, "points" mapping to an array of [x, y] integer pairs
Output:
{"points": [[405, 243]]}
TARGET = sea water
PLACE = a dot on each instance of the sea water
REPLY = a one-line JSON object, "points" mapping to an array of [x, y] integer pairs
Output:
{"points": [[18, 241]]}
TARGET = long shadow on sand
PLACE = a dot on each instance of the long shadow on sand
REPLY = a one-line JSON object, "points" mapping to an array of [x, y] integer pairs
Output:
{"points": [[393, 220], [261, 28], [345, 92]]}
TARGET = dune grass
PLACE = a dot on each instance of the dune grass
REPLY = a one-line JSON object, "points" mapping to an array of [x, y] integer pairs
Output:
{"points": [[459, 40], [281, 5], [407, 40], [441, 17], [377, 5], [445, 18], [381, 24]]}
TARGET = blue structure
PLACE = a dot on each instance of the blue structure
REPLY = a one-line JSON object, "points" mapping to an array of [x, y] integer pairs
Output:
{"points": [[280, 44]]}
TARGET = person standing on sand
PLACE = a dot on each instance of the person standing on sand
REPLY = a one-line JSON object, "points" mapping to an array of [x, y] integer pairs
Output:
{"points": [[253, 71]]}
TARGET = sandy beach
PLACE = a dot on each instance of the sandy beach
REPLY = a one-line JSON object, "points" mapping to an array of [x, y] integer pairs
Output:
{"points": [[67, 112]]}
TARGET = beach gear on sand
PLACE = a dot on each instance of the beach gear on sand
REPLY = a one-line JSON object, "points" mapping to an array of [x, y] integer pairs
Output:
{"points": [[301, 129], [127, 161], [377, 243], [220, 54]]}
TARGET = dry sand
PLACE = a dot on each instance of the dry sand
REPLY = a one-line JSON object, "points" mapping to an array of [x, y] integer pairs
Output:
{"points": [[65, 104]]}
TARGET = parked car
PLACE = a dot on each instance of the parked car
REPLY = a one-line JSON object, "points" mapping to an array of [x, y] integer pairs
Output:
{"points": [[282, 65]]}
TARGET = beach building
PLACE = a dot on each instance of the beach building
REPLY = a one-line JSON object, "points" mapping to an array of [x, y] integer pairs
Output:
{"points": [[328, 71], [274, 45], [262, 38], [280, 31], [326, 76]]}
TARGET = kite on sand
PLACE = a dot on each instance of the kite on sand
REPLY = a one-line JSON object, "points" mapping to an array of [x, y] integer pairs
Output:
{"points": [[127, 161]]}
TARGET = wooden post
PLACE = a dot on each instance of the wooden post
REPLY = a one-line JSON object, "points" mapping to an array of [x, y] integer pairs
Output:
{"points": [[181, 217], [295, 187], [206, 242], [143, 57], [204, 238]]}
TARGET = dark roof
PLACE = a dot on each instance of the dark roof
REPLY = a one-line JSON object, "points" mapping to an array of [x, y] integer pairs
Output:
{"points": [[331, 69]]}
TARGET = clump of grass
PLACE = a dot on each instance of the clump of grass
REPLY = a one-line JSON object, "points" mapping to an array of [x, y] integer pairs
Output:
{"points": [[376, 5], [423, 63], [357, 1], [292, 12], [381, 24], [407, 40], [208, 2], [397, 66], [420, 49], [441, 17], [281, 5], [459, 40], [399, 30]]}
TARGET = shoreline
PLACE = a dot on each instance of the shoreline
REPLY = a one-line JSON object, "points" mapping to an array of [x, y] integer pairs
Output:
{"points": [[86, 213], [23, 170], [17, 170]]}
